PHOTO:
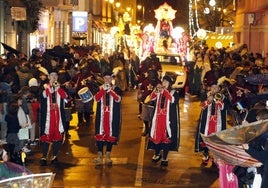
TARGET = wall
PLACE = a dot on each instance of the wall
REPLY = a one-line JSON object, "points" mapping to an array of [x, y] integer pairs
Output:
{"points": [[251, 25]]}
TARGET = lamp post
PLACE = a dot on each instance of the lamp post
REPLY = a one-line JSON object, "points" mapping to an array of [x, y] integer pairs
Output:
{"points": [[141, 10]]}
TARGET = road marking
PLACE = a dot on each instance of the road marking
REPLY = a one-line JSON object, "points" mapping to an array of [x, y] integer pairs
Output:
{"points": [[138, 180], [122, 160]]}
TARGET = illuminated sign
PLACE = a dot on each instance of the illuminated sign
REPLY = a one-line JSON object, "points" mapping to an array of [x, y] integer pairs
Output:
{"points": [[80, 21]]}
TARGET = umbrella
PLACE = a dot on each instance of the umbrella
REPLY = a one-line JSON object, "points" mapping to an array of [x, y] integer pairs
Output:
{"points": [[10, 49], [226, 144], [240, 134], [231, 154]]}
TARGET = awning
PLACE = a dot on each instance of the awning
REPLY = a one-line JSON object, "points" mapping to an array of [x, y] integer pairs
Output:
{"points": [[99, 25]]}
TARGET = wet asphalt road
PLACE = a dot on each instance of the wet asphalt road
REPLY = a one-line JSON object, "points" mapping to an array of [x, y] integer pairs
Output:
{"points": [[132, 166]]}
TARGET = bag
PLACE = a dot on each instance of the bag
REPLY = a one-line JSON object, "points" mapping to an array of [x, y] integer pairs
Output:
{"points": [[23, 133]]}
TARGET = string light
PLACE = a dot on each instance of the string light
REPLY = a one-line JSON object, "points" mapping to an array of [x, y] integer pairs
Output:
{"points": [[196, 15], [193, 24]]}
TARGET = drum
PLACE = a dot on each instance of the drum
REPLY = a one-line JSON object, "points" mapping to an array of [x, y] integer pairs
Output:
{"points": [[147, 112], [85, 94]]}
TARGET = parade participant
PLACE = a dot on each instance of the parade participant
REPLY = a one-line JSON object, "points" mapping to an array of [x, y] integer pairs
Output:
{"points": [[145, 90], [64, 79], [150, 63], [83, 79], [134, 69], [212, 119], [52, 121], [118, 63], [164, 133], [108, 118]]}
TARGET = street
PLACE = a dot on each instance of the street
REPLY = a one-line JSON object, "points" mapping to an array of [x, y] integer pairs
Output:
{"points": [[132, 166]]}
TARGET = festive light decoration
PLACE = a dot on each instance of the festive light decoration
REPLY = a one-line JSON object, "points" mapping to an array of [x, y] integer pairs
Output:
{"points": [[193, 18], [165, 12]]}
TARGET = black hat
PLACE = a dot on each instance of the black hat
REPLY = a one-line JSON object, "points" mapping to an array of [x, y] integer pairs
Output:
{"points": [[107, 73], [168, 78]]}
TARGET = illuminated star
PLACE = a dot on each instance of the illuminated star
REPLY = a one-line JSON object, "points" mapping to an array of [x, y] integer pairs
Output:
{"points": [[165, 12], [239, 93]]}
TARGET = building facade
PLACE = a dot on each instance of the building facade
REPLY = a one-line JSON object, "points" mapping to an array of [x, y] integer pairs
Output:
{"points": [[251, 25]]}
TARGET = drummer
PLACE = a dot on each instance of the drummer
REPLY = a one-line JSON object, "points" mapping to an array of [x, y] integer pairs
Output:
{"points": [[145, 89], [83, 79]]}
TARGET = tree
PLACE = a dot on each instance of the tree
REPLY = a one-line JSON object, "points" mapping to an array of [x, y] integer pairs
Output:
{"points": [[220, 15], [33, 11]]}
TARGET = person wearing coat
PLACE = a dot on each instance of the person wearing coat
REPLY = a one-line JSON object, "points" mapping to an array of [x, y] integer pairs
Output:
{"points": [[52, 122], [165, 129], [108, 118], [212, 119]]}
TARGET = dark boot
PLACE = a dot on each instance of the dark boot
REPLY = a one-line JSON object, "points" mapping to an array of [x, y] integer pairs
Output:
{"points": [[80, 116], [87, 118]]}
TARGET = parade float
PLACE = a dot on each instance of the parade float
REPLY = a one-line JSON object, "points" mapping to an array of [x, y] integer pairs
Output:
{"points": [[169, 43]]}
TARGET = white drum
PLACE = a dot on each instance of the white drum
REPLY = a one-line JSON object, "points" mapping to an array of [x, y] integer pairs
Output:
{"points": [[85, 94]]}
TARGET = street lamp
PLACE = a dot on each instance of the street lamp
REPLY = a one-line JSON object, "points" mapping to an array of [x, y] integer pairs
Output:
{"points": [[212, 3], [117, 4]]}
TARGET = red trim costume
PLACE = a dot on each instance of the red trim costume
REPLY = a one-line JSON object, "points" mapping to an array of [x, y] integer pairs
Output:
{"points": [[165, 129], [108, 115], [161, 131], [212, 119], [52, 118]]}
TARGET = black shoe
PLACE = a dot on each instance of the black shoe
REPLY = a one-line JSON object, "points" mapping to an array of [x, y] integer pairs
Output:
{"points": [[43, 162], [214, 165], [67, 135], [145, 133], [164, 163], [205, 161], [54, 160], [80, 124], [156, 158]]}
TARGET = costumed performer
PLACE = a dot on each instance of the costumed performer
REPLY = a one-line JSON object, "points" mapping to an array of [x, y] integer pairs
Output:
{"points": [[108, 118], [52, 121], [165, 129]]}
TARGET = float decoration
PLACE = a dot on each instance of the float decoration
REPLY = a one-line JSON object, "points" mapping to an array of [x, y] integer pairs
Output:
{"points": [[164, 39]]}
